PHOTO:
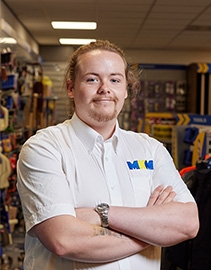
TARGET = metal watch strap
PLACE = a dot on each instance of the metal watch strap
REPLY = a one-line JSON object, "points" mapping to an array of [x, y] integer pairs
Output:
{"points": [[102, 210]]}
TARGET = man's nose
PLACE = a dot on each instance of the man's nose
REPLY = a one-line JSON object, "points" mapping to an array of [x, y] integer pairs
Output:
{"points": [[104, 87]]}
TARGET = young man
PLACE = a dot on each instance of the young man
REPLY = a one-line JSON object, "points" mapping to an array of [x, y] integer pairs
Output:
{"points": [[95, 196]]}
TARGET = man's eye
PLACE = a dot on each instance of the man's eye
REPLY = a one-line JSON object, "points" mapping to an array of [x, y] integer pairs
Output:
{"points": [[115, 80], [92, 80]]}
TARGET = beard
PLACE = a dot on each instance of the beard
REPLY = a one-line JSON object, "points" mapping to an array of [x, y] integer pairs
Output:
{"points": [[101, 116]]}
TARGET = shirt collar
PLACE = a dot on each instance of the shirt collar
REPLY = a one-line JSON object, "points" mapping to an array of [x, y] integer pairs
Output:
{"points": [[89, 137]]}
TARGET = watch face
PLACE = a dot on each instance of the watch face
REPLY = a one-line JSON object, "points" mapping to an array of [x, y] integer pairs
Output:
{"points": [[103, 206], [99, 209]]}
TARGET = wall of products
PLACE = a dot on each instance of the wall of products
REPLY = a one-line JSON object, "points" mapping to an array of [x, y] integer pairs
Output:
{"points": [[163, 89], [27, 104]]}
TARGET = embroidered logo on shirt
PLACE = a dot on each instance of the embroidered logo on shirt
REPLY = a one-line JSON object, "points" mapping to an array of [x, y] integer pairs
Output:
{"points": [[140, 164]]}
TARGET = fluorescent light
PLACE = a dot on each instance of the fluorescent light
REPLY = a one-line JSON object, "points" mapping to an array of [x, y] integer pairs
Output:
{"points": [[74, 25], [8, 40], [75, 41]]}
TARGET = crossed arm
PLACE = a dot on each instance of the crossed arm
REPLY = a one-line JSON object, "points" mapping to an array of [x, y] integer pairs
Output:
{"points": [[163, 222]]}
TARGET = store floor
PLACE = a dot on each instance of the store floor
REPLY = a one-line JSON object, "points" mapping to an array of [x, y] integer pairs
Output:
{"points": [[13, 255]]}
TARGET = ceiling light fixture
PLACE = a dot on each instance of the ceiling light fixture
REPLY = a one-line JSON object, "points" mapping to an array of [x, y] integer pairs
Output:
{"points": [[75, 41], [74, 25], [8, 40]]}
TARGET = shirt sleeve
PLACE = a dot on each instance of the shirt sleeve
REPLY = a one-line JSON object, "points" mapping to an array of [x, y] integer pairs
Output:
{"points": [[42, 184], [165, 173]]}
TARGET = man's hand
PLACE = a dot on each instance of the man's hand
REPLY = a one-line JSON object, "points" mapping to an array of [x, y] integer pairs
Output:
{"points": [[161, 195]]}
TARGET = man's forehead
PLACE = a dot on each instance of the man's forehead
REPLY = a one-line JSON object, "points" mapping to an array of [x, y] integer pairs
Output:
{"points": [[98, 56]]}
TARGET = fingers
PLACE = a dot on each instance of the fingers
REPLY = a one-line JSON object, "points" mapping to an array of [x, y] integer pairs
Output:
{"points": [[167, 195], [154, 196], [161, 195]]}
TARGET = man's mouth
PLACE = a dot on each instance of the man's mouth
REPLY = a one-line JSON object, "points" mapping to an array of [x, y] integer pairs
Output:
{"points": [[103, 100]]}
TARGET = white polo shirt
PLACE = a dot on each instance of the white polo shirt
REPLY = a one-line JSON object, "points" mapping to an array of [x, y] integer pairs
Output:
{"points": [[68, 166]]}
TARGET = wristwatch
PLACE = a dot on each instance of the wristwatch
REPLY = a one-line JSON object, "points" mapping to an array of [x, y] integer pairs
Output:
{"points": [[102, 210]]}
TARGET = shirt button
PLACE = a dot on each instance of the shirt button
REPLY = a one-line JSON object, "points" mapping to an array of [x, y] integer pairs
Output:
{"points": [[113, 187], [106, 158]]}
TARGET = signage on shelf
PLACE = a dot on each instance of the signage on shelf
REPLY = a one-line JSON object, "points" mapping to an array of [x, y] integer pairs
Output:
{"points": [[183, 119], [203, 68]]}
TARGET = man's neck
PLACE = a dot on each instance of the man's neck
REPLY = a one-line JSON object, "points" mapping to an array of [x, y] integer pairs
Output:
{"points": [[106, 130]]}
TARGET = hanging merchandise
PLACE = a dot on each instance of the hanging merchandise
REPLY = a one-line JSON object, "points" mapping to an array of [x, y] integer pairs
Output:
{"points": [[196, 137], [190, 136], [181, 97], [5, 169], [21, 99], [165, 96], [170, 101], [4, 118], [191, 139], [37, 105], [194, 254], [200, 146], [161, 92]]}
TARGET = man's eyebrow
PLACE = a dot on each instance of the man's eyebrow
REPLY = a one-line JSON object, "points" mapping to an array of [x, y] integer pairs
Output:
{"points": [[112, 74], [117, 74], [91, 73]]}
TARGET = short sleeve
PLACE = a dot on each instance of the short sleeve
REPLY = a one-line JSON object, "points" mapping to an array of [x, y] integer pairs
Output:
{"points": [[42, 184]]}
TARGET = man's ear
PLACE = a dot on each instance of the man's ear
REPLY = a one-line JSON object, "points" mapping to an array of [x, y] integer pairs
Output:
{"points": [[70, 89], [126, 93]]}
